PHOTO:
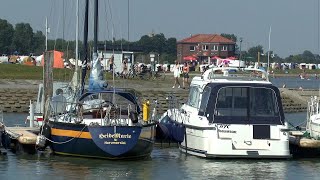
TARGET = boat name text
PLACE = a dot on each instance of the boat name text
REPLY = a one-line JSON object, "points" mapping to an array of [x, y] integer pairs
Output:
{"points": [[226, 131], [115, 142], [224, 126], [115, 136]]}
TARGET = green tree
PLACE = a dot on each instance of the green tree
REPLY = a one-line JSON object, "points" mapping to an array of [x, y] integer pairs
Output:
{"points": [[171, 46], [230, 36], [38, 43], [22, 38], [6, 34], [155, 43], [158, 43], [253, 52], [145, 42], [308, 56]]}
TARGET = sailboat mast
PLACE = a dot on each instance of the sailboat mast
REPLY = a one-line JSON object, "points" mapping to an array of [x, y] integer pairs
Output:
{"points": [[95, 38], [77, 37], [85, 46], [46, 34], [75, 78]]}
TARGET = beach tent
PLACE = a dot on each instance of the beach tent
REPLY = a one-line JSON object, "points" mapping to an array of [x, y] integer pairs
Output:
{"points": [[13, 59], [38, 60], [58, 59], [28, 61]]}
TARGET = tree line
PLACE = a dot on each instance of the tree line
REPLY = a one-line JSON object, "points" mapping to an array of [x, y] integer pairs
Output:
{"points": [[21, 39]]}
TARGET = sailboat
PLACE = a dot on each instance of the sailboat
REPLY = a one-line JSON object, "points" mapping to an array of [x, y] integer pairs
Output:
{"points": [[103, 122]]}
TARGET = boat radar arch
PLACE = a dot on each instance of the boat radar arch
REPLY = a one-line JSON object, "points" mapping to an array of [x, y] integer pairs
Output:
{"points": [[215, 72]]}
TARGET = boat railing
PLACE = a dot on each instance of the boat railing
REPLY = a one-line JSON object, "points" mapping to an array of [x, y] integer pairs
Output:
{"points": [[173, 102], [101, 111], [235, 73], [174, 105], [313, 109]]}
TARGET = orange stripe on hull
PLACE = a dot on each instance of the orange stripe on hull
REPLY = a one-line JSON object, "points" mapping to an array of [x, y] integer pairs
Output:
{"points": [[70, 133]]}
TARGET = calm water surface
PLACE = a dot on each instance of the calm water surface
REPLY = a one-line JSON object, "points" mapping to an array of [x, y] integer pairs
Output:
{"points": [[166, 163], [296, 82]]}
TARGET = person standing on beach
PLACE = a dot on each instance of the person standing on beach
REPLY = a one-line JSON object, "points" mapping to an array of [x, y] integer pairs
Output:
{"points": [[186, 70], [111, 60], [124, 68], [176, 74]]}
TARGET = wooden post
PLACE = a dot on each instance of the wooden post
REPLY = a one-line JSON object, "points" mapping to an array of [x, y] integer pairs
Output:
{"points": [[47, 79]]}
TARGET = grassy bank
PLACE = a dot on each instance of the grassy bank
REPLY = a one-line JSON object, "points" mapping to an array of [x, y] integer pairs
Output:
{"points": [[18, 71]]}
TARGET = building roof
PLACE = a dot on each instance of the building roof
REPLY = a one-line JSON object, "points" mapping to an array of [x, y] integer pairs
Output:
{"points": [[206, 38]]}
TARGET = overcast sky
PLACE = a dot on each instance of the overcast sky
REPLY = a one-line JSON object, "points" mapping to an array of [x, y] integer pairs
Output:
{"points": [[295, 23]]}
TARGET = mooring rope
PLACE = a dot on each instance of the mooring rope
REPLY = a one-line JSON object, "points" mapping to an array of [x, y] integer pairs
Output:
{"points": [[12, 135], [67, 140]]}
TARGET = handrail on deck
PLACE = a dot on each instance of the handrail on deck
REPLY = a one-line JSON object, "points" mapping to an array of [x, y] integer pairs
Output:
{"points": [[224, 71]]}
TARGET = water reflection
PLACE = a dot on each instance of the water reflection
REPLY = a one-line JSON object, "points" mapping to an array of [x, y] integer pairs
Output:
{"points": [[235, 169]]}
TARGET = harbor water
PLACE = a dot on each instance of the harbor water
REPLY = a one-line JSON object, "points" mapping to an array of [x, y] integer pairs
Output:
{"points": [[296, 82], [164, 163]]}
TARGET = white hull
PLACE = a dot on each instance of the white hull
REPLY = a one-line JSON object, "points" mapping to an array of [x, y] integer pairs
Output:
{"points": [[207, 144]]}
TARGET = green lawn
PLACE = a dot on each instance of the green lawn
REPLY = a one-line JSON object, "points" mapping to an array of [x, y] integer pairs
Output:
{"points": [[18, 71]]}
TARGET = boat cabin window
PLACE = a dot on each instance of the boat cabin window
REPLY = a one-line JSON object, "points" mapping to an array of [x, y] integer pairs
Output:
{"points": [[263, 102], [246, 104], [204, 100], [194, 97], [232, 102], [99, 100]]}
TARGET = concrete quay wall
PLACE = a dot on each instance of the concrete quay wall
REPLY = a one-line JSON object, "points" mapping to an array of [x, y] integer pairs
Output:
{"points": [[18, 100]]}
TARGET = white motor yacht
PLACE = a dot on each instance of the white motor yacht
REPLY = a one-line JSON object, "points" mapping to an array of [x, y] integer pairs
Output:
{"points": [[230, 113]]}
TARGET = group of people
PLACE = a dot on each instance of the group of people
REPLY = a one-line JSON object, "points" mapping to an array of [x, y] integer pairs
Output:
{"points": [[177, 72], [124, 67]]}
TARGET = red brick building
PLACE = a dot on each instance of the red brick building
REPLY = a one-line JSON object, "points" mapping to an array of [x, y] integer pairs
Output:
{"points": [[204, 46]]}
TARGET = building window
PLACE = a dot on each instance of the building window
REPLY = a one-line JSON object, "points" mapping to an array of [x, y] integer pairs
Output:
{"points": [[192, 48], [205, 47], [224, 48], [231, 47], [215, 48]]}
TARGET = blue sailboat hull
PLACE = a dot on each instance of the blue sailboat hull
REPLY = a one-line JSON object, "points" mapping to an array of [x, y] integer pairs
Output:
{"points": [[170, 130], [108, 142]]}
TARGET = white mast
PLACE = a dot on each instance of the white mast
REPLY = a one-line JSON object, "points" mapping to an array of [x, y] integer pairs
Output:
{"points": [[46, 33], [75, 78], [269, 50]]}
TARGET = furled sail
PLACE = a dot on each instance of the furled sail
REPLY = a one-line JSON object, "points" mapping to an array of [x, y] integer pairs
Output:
{"points": [[96, 80]]}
